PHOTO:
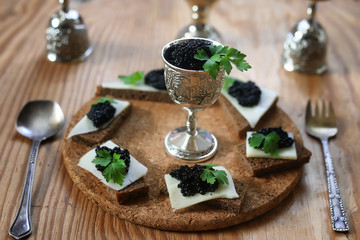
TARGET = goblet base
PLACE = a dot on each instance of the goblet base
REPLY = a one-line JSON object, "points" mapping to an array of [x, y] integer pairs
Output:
{"points": [[54, 57], [201, 31], [194, 148]]}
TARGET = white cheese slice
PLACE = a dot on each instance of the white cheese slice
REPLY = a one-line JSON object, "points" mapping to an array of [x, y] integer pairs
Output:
{"points": [[85, 125], [288, 153], [136, 169], [253, 114], [120, 85], [178, 201]]}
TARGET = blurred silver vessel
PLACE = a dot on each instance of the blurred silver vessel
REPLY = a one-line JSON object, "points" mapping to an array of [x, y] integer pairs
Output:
{"points": [[194, 91], [199, 26], [306, 45], [66, 36]]}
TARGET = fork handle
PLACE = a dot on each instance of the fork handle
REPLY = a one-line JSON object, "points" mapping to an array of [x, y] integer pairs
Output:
{"points": [[337, 212]]}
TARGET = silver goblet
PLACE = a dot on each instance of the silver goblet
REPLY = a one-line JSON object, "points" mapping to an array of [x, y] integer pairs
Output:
{"points": [[305, 46], [194, 91], [66, 36], [199, 26]]}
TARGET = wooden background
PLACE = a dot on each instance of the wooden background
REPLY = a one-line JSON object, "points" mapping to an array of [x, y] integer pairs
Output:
{"points": [[127, 35]]}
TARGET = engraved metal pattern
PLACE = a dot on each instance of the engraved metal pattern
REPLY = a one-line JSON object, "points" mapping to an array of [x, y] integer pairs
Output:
{"points": [[67, 37], [195, 89], [305, 46], [22, 226], [338, 217]]}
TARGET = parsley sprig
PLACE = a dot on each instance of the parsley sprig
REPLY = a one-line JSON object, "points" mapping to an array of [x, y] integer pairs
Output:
{"points": [[104, 99], [222, 56], [270, 142], [114, 166], [211, 175], [133, 79]]}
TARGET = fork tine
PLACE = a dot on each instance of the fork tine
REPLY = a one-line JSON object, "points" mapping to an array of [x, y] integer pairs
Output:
{"points": [[331, 111], [317, 110], [323, 108], [308, 111]]}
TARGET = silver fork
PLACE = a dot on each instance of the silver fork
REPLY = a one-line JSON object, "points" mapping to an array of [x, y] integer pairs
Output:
{"points": [[322, 125]]}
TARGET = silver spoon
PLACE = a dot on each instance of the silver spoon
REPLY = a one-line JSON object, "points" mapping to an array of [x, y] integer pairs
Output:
{"points": [[38, 120]]}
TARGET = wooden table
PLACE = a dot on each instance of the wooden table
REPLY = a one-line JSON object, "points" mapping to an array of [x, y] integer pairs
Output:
{"points": [[128, 36]]}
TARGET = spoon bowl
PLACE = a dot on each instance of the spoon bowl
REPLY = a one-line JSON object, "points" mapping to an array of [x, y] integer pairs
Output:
{"points": [[38, 120]]}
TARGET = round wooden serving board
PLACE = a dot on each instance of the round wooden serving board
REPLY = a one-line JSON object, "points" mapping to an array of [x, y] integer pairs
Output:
{"points": [[143, 133]]}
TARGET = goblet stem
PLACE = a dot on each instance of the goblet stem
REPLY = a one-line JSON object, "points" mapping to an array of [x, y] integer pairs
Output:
{"points": [[191, 121], [311, 12], [199, 14], [65, 5], [200, 10]]}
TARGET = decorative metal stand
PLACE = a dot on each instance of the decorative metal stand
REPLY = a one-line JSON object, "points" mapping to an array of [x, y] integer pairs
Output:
{"points": [[199, 26], [194, 91], [66, 36], [305, 46]]}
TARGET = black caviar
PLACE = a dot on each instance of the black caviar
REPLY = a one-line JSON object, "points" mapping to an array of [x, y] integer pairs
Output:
{"points": [[124, 155], [285, 140], [190, 181], [182, 54], [101, 113], [155, 78], [247, 93]]}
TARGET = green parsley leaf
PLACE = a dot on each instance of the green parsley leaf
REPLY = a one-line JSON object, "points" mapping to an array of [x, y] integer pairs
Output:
{"points": [[207, 176], [221, 176], [256, 139], [211, 175], [104, 99], [241, 64], [116, 170], [115, 167], [271, 142], [212, 67], [104, 158], [227, 65], [201, 55], [228, 82], [133, 79], [222, 56]]}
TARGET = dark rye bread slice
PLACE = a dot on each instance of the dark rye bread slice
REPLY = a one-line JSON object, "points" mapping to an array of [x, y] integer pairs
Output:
{"points": [[239, 123], [157, 96], [259, 167], [102, 134], [232, 205], [135, 191]]}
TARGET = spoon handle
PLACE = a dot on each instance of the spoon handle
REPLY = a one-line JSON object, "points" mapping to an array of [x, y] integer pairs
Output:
{"points": [[21, 227]]}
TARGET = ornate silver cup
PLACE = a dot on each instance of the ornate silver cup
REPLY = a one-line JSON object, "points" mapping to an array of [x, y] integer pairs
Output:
{"points": [[194, 91], [305, 46], [199, 26], [66, 36]]}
